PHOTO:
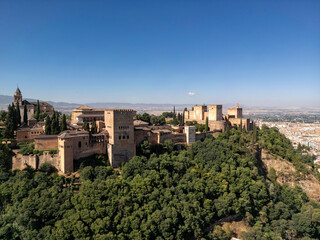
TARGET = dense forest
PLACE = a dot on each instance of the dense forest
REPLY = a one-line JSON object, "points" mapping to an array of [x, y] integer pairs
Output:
{"points": [[167, 194]]}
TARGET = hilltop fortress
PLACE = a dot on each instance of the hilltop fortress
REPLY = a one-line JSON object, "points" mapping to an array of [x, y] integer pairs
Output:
{"points": [[216, 120], [118, 135]]}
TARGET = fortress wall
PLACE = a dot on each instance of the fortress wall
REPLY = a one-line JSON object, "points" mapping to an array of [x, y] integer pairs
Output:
{"points": [[217, 125], [35, 161]]}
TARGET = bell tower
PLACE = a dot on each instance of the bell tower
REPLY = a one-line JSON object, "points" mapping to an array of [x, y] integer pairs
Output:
{"points": [[17, 97]]}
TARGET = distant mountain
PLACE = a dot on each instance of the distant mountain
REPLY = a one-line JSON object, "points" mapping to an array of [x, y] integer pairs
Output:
{"points": [[159, 108], [4, 99], [68, 107]]}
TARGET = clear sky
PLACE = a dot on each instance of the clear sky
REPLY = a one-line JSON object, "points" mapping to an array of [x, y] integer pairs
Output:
{"points": [[263, 53]]}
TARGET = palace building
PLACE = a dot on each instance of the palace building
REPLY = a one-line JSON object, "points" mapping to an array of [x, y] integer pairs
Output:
{"points": [[119, 134]]}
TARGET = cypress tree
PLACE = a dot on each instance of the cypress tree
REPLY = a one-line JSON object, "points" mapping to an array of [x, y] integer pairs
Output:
{"points": [[241, 125], [207, 125], [38, 111], [47, 130], [58, 122], [25, 114], [174, 115], [55, 129], [18, 114], [227, 130], [63, 123], [14, 116], [53, 120], [9, 130], [94, 127], [184, 110], [254, 134]]}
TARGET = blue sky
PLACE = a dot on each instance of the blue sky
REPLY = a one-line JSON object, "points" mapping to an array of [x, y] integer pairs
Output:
{"points": [[263, 53]]}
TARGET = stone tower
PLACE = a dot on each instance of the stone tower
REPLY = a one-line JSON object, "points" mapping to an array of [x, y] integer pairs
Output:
{"points": [[119, 124], [215, 112], [17, 97]]}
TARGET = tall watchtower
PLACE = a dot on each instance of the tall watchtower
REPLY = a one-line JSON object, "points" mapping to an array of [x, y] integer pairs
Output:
{"points": [[119, 124], [17, 97], [215, 112]]}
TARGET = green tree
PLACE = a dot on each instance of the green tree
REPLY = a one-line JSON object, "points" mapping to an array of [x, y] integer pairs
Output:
{"points": [[145, 148], [254, 133], [184, 111], [154, 120], [5, 158], [207, 125], [42, 116], [15, 117], [162, 120], [55, 127], [3, 115], [200, 127], [227, 132], [144, 117], [9, 130], [47, 129], [175, 116], [18, 114], [86, 126], [27, 149], [94, 127], [25, 113], [169, 145], [37, 115], [63, 123]]}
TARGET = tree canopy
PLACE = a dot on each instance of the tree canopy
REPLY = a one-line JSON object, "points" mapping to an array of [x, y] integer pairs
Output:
{"points": [[172, 195]]}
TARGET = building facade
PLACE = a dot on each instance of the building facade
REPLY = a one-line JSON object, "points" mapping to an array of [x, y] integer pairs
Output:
{"points": [[86, 114], [119, 125]]}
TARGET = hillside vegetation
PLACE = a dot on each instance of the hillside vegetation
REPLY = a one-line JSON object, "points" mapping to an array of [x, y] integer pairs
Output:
{"points": [[175, 195]]}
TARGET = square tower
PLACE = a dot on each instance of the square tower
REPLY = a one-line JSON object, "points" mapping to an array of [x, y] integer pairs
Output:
{"points": [[119, 124], [190, 132], [199, 112], [235, 112], [215, 112]]}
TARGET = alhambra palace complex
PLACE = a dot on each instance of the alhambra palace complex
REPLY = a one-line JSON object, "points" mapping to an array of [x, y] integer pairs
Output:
{"points": [[119, 133]]}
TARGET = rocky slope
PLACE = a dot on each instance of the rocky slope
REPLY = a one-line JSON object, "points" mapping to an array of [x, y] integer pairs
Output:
{"points": [[286, 173]]}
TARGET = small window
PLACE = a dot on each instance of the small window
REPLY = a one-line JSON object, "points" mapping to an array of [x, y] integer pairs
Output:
{"points": [[128, 137], [124, 137], [119, 137], [79, 144]]}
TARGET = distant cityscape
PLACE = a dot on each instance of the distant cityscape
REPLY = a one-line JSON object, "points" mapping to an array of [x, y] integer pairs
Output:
{"points": [[307, 134]]}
